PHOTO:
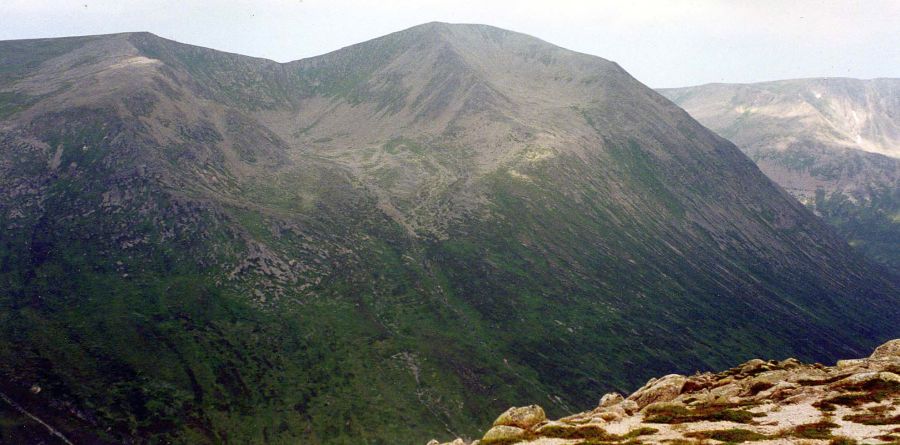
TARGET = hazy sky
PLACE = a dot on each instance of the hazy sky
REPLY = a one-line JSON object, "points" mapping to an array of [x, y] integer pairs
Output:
{"points": [[661, 42]]}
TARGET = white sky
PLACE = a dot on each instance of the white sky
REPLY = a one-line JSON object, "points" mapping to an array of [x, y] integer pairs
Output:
{"points": [[661, 42]]}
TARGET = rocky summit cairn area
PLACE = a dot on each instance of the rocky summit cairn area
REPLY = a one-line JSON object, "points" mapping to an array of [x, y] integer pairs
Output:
{"points": [[766, 402]]}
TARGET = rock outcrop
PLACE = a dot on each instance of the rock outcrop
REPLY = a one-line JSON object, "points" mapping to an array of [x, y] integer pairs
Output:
{"points": [[768, 402]]}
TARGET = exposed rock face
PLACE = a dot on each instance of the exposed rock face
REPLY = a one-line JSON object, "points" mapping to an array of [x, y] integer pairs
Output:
{"points": [[856, 401], [661, 390], [524, 417], [889, 349]]}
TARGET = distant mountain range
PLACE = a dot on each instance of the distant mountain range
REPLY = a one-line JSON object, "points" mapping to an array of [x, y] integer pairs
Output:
{"points": [[404, 236], [832, 143]]}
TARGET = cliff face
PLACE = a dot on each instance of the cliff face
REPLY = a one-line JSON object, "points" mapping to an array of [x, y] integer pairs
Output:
{"points": [[761, 401]]}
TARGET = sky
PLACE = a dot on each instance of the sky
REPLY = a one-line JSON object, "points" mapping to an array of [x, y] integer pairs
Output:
{"points": [[663, 43]]}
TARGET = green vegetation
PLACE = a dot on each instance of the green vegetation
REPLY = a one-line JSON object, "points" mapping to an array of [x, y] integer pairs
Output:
{"points": [[876, 415], [594, 433], [642, 431], [396, 145], [872, 225], [817, 430], [875, 391], [734, 435], [12, 102], [680, 414], [21, 56]]}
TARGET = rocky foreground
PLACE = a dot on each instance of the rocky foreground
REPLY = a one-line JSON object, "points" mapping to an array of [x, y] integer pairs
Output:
{"points": [[767, 402]]}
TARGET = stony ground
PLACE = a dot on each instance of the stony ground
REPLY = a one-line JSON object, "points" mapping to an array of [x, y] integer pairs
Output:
{"points": [[767, 402]]}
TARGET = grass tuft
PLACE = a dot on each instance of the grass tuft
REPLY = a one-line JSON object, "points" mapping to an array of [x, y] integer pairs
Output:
{"points": [[817, 430], [673, 414], [734, 435]]}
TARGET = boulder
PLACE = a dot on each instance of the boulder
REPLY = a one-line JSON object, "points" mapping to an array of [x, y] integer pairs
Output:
{"points": [[761, 382], [630, 406], [780, 391], [889, 349], [523, 417], [610, 416], [503, 434], [866, 377], [611, 399], [851, 363], [660, 390], [723, 381], [698, 383], [725, 394], [809, 375], [754, 366]]}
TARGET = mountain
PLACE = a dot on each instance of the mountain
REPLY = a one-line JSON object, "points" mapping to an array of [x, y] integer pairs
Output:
{"points": [[780, 401], [395, 238], [832, 143]]}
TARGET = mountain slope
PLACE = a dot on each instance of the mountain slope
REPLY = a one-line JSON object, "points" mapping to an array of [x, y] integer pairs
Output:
{"points": [[206, 247], [832, 143]]}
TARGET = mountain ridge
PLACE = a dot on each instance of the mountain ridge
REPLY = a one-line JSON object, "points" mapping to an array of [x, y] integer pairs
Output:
{"points": [[275, 249]]}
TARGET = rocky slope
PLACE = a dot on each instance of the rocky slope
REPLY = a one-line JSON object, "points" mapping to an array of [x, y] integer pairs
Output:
{"points": [[769, 402], [401, 236], [832, 143]]}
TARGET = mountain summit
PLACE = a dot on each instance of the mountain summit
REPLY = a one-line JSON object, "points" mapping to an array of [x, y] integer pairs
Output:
{"points": [[398, 237]]}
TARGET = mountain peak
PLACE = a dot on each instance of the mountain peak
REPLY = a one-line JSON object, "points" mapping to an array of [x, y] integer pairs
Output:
{"points": [[478, 35], [446, 29], [450, 212]]}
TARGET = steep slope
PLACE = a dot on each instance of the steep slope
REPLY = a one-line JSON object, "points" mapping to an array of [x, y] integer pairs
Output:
{"points": [[400, 236], [832, 143]]}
